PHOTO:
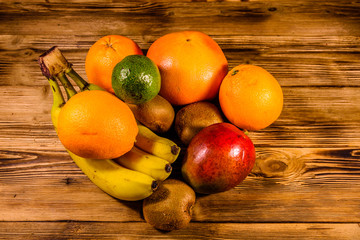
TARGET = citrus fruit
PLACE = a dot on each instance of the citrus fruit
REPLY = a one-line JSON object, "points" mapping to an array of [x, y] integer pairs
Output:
{"points": [[250, 97], [191, 64], [136, 79], [104, 54], [96, 124]]}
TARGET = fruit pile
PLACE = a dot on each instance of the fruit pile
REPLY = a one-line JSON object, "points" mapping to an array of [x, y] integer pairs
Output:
{"points": [[114, 125]]}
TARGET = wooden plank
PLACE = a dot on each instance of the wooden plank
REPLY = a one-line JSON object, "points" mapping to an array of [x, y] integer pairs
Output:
{"points": [[114, 230], [294, 61], [286, 185], [249, 17], [309, 119], [26, 104], [306, 181]]}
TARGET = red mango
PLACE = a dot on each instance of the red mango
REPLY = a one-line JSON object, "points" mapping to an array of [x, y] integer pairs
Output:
{"points": [[218, 158]]}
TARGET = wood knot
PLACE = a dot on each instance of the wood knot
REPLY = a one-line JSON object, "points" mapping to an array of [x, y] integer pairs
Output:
{"points": [[278, 164], [68, 181], [272, 9], [355, 153], [275, 166], [29, 54]]}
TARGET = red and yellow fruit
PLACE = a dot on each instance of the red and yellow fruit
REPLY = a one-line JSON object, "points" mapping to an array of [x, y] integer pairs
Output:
{"points": [[218, 158]]}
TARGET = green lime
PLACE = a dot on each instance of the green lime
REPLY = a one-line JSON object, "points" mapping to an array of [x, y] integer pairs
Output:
{"points": [[136, 79]]}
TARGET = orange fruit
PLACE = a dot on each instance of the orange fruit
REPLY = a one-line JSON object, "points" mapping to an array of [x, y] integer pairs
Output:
{"points": [[96, 124], [250, 97], [104, 54], [191, 64]]}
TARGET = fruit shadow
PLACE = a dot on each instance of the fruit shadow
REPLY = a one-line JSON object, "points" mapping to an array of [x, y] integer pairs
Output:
{"points": [[136, 206]]}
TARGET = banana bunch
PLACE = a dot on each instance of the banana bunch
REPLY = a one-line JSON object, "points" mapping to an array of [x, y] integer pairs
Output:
{"points": [[133, 176]]}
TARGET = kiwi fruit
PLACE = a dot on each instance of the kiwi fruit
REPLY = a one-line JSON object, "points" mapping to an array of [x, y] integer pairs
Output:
{"points": [[170, 206], [192, 118], [157, 114]]}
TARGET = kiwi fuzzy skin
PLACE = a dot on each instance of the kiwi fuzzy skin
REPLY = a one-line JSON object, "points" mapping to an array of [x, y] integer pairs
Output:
{"points": [[192, 118], [156, 114], [170, 206]]}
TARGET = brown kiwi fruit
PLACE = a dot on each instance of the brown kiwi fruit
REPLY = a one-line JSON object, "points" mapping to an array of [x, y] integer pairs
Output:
{"points": [[192, 118], [170, 206], [157, 114]]}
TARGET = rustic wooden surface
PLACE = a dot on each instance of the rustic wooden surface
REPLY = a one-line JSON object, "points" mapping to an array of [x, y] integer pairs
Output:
{"points": [[306, 182]]}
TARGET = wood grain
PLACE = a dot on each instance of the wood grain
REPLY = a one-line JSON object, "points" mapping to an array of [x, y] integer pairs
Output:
{"points": [[302, 17], [334, 59], [285, 185], [306, 180], [309, 118], [99, 230]]}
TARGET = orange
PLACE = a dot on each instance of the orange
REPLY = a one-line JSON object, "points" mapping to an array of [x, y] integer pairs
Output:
{"points": [[250, 97], [96, 124], [104, 54], [191, 64]]}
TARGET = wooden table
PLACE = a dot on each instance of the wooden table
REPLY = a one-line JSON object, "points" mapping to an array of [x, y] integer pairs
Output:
{"points": [[306, 182]]}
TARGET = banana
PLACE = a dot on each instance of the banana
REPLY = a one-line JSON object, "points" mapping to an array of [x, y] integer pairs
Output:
{"points": [[54, 64], [138, 160], [58, 102], [159, 146], [133, 176], [114, 179]]}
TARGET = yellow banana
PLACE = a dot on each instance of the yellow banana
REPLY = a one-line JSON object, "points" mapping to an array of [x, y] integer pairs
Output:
{"points": [[115, 180], [159, 146], [146, 163], [133, 176], [54, 64]]}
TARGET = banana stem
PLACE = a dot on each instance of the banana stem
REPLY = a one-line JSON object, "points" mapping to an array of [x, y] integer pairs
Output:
{"points": [[70, 90], [53, 63], [83, 85]]}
